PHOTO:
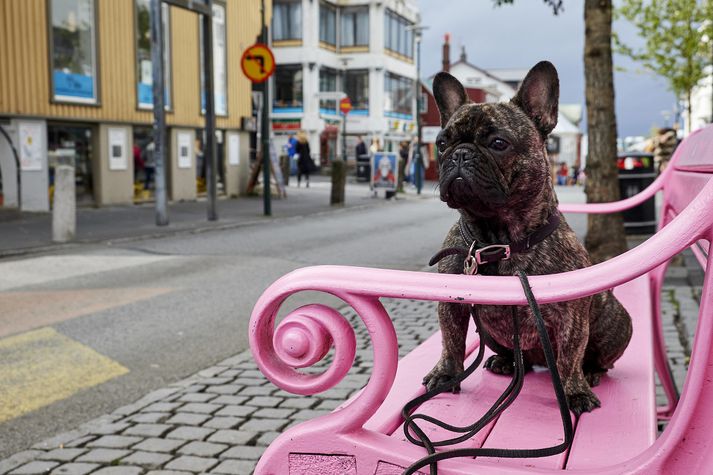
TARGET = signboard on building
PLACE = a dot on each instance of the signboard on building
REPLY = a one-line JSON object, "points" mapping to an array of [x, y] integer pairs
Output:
{"points": [[385, 171], [184, 151], [284, 125], [31, 146], [429, 134], [118, 150]]}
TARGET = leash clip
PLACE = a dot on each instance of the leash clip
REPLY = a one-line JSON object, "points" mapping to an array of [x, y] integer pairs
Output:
{"points": [[470, 265]]}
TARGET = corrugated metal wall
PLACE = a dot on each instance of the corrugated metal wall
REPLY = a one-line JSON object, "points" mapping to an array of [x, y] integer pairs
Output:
{"points": [[24, 64]]}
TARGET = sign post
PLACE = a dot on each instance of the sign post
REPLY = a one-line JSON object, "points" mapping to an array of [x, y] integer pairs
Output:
{"points": [[258, 64], [339, 166]]}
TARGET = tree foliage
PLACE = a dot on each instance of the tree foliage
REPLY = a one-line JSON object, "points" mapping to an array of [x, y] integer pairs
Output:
{"points": [[556, 5], [676, 35]]}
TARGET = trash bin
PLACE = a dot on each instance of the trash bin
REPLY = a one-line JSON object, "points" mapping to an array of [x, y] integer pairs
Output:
{"points": [[636, 172], [363, 168]]}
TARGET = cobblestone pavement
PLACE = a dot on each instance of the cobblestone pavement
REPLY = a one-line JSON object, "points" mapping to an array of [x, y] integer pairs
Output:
{"points": [[220, 420]]}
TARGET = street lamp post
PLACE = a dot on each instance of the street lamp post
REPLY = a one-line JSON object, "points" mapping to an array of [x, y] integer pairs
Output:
{"points": [[417, 31]]}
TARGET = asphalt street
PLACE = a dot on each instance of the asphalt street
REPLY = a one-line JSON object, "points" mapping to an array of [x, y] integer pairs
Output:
{"points": [[87, 330]]}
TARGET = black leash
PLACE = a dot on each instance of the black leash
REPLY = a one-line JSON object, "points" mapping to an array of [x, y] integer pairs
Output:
{"points": [[505, 399]]}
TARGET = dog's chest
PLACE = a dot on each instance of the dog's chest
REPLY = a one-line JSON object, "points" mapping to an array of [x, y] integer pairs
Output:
{"points": [[497, 322]]}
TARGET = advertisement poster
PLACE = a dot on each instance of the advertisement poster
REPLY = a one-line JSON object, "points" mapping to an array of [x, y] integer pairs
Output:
{"points": [[31, 146], [184, 150], [118, 152], [385, 171], [234, 150]]}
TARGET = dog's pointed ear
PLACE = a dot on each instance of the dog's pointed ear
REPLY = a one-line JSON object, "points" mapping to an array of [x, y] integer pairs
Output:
{"points": [[538, 96], [449, 94]]}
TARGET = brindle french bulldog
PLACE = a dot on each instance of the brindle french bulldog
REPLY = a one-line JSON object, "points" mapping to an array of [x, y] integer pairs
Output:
{"points": [[495, 171]]}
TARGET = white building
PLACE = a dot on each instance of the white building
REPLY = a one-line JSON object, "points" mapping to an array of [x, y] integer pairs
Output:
{"points": [[363, 48], [702, 108]]}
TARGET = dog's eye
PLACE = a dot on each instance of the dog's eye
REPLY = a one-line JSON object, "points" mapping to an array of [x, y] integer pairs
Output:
{"points": [[498, 145], [442, 145]]}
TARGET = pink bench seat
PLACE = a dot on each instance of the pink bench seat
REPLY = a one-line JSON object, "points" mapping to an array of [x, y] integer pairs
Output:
{"points": [[602, 437]]}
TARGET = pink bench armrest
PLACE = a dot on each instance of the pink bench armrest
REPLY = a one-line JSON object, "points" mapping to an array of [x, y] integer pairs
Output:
{"points": [[621, 205]]}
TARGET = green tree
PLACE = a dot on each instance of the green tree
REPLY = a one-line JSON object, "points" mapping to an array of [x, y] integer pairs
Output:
{"points": [[605, 232], [674, 34]]}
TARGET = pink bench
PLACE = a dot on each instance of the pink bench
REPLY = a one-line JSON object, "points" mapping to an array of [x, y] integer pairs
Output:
{"points": [[365, 435]]}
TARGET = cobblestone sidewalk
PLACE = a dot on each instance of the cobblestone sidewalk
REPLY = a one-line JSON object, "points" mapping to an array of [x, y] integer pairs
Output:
{"points": [[220, 420]]}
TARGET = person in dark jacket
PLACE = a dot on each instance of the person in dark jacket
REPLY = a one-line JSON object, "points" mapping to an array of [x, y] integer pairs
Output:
{"points": [[304, 160]]}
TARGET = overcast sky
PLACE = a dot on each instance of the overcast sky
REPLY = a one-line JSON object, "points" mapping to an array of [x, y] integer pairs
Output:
{"points": [[520, 35]]}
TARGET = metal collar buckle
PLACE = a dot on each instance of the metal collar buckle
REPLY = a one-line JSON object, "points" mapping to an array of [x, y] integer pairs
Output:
{"points": [[474, 259], [486, 249]]}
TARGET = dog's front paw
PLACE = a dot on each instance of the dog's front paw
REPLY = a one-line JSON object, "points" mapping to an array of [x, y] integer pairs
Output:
{"points": [[583, 401], [499, 364], [594, 376], [444, 374]]}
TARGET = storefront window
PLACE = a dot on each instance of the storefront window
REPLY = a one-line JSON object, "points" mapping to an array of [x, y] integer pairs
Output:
{"points": [[144, 72], [327, 83], [356, 86], [287, 20], [288, 88], [327, 24], [398, 91], [73, 50], [398, 38], [220, 72], [355, 26]]}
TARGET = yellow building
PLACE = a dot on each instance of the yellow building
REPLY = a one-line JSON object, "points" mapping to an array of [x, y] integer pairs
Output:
{"points": [[75, 81]]}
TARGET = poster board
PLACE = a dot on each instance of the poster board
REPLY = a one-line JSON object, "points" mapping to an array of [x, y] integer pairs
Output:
{"points": [[31, 145], [184, 151], [384, 171], [276, 170], [118, 151], [234, 149]]}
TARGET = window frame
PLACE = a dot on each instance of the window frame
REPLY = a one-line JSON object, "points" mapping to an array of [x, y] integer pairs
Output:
{"points": [[335, 11], [354, 11], [275, 108], [168, 55], [396, 81], [356, 109], [96, 48], [398, 40], [290, 37], [201, 79]]}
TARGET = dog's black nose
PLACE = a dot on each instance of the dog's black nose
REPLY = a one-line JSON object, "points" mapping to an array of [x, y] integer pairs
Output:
{"points": [[461, 155]]}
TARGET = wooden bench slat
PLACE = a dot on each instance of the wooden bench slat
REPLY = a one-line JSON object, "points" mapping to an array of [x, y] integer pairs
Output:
{"points": [[625, 425]]}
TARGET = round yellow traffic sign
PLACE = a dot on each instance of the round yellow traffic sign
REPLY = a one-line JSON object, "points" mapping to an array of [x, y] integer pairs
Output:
{"points": [[258, 63]]}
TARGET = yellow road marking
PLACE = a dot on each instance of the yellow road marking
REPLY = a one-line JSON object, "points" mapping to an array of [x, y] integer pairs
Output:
{"points": [[40, 367]]}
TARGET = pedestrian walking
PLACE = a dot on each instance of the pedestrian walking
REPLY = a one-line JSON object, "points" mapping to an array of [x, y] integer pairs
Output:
{"points": [[664, 144], [403, 158], [360, 147], [304, 159], [149, 165], [375, 146]]}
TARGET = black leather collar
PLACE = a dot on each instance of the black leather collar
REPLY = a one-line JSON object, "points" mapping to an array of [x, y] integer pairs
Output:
{"points": [[481, 253]]}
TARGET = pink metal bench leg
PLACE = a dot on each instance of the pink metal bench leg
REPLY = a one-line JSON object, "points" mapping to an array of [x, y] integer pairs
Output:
{"points": [[663, 369]]}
